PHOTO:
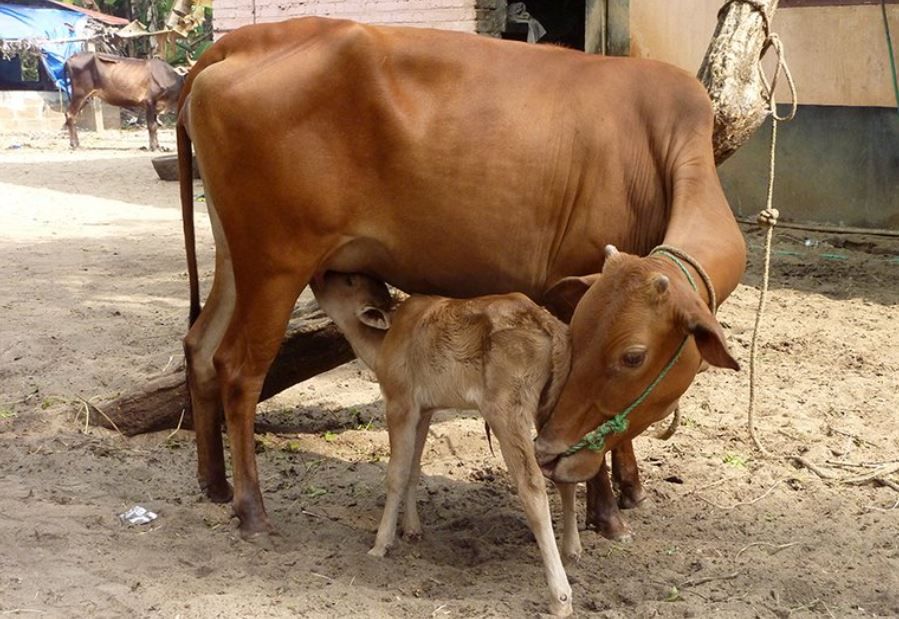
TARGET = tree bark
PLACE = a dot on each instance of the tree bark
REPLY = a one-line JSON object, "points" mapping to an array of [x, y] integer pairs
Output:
{"points": [[314, 344], [730, 72]]}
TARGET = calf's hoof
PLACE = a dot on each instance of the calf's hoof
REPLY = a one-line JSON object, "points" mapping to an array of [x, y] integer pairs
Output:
{"points": [[412, 535], [378, 551], [571, 556], [561, 606]]}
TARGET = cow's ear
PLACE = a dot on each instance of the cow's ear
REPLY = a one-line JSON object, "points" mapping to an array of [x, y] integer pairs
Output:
{"points": [[709, 337], [374, 317], [566, 293]]}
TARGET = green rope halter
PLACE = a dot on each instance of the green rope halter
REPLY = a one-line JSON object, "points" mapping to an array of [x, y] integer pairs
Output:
{"points": [[596, 440]]}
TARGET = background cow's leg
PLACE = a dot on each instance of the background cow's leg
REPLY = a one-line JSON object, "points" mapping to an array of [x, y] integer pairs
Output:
{"points": [[402, 426], [602, 509], [411, 522], [513, 431], [626, 475], [76, 104], [152, 124], [571, 540], [264, 301]]}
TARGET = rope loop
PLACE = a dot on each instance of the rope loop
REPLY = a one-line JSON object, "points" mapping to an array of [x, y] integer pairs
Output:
{"points": [[773, 41]]}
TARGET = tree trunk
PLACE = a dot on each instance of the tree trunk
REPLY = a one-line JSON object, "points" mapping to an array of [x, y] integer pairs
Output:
{"points": [[730, 72], [314, 344]]}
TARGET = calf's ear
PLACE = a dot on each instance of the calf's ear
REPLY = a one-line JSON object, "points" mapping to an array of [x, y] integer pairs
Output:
{"points": [[565, 294], [709, 337], [374, 317]]}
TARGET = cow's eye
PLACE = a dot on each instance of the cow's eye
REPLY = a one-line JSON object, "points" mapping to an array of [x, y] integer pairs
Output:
{"points": [[633, 358], [349, 280]]}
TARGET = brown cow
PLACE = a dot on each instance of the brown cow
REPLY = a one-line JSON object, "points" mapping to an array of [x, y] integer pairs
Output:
{"points": [[152, 85], [330, 145], [500, 354]]}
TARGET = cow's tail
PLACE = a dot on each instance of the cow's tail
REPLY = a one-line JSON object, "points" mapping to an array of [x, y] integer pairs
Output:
{"points": [[185, 180], [185, 173]]}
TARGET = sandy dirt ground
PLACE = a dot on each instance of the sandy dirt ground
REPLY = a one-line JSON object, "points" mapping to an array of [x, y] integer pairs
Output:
{"points": [[93, 301]]}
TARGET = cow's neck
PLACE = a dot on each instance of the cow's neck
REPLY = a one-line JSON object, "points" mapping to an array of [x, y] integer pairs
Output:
{"points": [[711, 236]]}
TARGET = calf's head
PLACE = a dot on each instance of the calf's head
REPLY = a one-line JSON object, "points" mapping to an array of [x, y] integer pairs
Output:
{"points": [[360, 306], [639, 333]]}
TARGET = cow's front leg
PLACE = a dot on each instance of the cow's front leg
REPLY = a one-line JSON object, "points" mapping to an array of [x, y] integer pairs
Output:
{"points": [[402, 425], [626, 475], [152, 125], [602, 508]]}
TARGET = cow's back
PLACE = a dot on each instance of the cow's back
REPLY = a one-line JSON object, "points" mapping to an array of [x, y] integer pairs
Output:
{"points": [[341, 130]]}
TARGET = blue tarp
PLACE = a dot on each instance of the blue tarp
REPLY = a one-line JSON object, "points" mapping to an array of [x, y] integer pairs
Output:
{"points": [[19, 22]]}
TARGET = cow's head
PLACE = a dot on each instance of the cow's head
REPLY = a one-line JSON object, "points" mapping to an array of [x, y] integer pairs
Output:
{"points": [[627, 325]]}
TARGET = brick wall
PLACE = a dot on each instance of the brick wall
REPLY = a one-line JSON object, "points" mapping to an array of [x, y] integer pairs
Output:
{"points": [[465, 15]]}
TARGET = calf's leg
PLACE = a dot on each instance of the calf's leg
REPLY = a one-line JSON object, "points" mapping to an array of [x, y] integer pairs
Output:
{"points": [[411, 523], [402, 427], [571, 539], [512, 429]]}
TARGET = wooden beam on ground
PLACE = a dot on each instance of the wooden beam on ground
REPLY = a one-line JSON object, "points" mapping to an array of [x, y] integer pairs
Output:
{"points": [[313, 345]]}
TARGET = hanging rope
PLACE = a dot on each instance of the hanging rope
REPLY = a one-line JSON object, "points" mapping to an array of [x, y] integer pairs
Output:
{"points": [[768, 217]]}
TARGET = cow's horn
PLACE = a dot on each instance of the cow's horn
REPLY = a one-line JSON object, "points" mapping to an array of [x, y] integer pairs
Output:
{"points": [[611, 250], [660, 283]]}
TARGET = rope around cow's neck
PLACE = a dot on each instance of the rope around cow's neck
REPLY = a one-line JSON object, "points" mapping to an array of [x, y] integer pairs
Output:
{"points": [[596, 440]]}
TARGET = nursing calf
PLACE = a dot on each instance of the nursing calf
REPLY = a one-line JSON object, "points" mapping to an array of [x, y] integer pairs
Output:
{"points": [[500, 354]]}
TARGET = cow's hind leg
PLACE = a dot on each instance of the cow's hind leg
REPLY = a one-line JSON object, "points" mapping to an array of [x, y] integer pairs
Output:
{"points": [[602, 509], [205, 395], [513, 431], [199, 348], [626, 475], [264, 300]]}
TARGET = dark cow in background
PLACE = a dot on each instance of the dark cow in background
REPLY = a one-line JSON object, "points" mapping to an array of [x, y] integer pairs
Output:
{"points": [[126, 82]]}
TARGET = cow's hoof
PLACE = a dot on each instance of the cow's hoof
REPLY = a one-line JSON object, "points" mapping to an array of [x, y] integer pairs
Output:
{"points": [[629, 498], [217, 492], [614, 528], [378, 551], [261, 537]]}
